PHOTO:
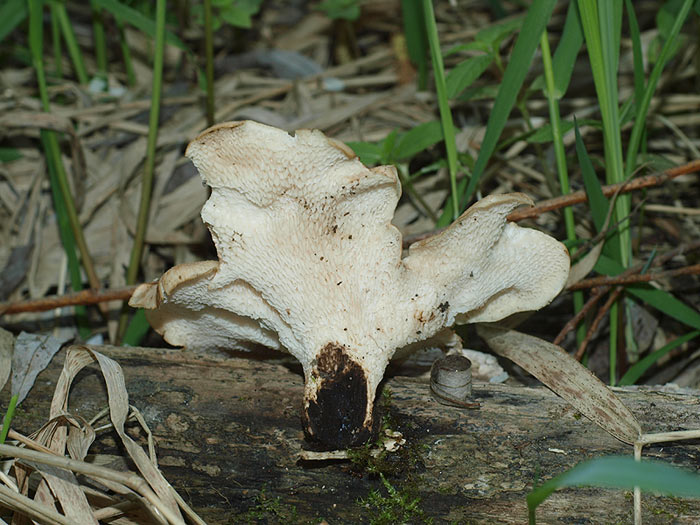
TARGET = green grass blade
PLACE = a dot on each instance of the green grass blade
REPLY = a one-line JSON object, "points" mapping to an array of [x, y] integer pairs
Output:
{"points": [[659, 299], [57, 177], [443, 102], [98, 32], [643, 108], [568, 48], [597, 202], [601, 32], [7, 419], [621, 473], [638, 58], [416, 39], [52, 152], [132, 17], [71, 43], [12, 14], [637, 370], [149, 167], [538, 15], [557, 134]]}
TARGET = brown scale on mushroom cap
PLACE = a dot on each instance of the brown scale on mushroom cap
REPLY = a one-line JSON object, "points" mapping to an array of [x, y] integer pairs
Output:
{"points": [[310, 263]]}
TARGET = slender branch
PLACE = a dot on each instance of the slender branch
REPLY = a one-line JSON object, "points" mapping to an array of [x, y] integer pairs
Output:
{"points": [[596, 322], [656, 179], [58, 301], [605, 280], [578, 197], [571, 324]]}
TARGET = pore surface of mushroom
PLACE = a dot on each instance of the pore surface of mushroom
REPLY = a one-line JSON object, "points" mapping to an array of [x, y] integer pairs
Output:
{"points": [[310, 263]]}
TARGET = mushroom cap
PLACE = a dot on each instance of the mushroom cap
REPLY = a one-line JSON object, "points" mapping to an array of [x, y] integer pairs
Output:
{"points": [[309, 262]]}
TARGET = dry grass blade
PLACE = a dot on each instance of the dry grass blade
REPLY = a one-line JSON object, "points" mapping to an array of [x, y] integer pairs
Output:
{"points": [[58, 473], [12, 500], [77, 358], [133, 481], [567, 378]]}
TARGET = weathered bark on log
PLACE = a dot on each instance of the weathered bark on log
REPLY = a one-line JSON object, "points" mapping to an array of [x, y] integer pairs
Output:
{"points": [[228, 428]]}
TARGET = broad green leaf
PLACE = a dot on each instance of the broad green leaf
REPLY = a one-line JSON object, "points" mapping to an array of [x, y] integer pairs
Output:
{"points": [[596, 200], [462, 76], [621, 473], [416, 140], [494, 35], [9, 154], [340, 9], [637, 370], [137, 329], [370, 154], [659, 299], [141, 22], [240, 13], [12, 13], [538, 15]]}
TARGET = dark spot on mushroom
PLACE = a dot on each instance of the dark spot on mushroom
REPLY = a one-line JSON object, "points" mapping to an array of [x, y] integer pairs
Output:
{"points": [[334, 228], [346, 214], [471, 274], [350, 237], [443, 307], [321, 257], [337, 414], [339, 283]]}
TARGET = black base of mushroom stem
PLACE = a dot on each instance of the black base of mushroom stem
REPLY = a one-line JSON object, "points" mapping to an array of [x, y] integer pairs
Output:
{"points": [[336, 417]]}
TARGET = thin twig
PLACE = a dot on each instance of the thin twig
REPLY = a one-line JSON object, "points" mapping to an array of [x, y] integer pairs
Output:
{"points": [[656, 179], [578, 197], [571, 324], [72, 299], [596, 322], [605, 280]]}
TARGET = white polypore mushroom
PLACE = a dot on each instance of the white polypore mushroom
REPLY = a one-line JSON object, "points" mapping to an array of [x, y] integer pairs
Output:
{"points": [[310, 263]]}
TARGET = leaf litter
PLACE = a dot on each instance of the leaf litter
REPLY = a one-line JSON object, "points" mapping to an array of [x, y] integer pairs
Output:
{"points": [[72, 490]]}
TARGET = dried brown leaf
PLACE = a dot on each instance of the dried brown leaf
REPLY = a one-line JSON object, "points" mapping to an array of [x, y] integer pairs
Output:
{"points": [[567, 378], [584, 266], [33, 353]]}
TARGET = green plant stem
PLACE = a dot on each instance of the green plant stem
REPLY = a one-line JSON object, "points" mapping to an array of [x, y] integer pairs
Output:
{"points": [[98, 31], [560, 156], [443, 102], [209, 52], [126, 53], [149, 167], [60, 182], [71, 43]]}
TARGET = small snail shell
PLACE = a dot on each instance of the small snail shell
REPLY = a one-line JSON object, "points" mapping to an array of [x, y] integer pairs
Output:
{"points": [[451, 381]]}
